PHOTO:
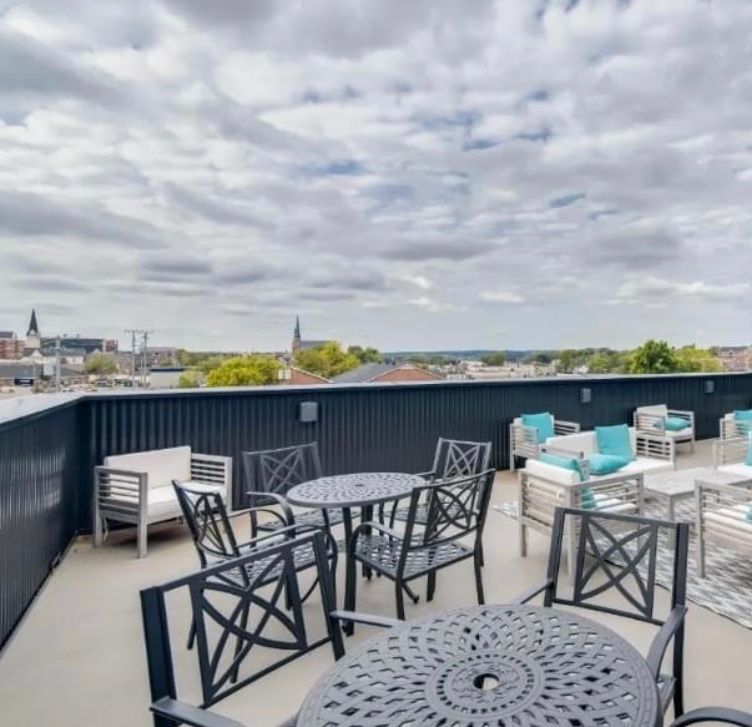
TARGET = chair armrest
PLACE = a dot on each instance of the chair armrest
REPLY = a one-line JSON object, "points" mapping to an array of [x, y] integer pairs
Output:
{"points": [[182, 713], [366, 618], [714, 714], [663, 638], [655, 446], [253, 510], [730, 451], [564, 427], [293, 531], [531, 593], [278, 500]]}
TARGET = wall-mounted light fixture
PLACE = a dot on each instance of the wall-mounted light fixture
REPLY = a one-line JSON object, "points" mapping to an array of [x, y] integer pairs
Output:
{"points": [[586, 396], [710, 387], [309, 412]]}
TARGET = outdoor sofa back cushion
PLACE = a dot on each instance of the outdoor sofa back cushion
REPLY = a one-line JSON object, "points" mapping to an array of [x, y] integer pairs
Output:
{"points": [[615, 440], [552, 473], [583, 442], [659, 410], [162, 465], [743, 415], [543, 423]]}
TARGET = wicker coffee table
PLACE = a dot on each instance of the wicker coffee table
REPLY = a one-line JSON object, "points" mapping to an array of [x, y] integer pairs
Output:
{"points": [[677, 485]]}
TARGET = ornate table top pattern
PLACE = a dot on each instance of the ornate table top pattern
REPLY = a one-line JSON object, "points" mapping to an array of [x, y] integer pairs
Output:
{"points": [[488, 666], [354, 490]]}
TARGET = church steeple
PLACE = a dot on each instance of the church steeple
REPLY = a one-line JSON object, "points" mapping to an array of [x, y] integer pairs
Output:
{"points": [[33, 327], [296, 340]]}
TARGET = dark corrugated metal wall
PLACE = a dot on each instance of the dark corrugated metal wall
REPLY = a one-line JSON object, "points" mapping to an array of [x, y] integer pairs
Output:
{"points": [[46, 461], [39, 486], [390, 426]]}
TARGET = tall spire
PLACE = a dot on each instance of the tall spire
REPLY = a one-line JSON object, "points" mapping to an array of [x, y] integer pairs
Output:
{"points": [[296, 334], [33, 327]]}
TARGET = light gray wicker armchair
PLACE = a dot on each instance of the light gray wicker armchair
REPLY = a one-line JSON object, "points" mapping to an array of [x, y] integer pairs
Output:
{"points": [[524, 442], [137, 488]]}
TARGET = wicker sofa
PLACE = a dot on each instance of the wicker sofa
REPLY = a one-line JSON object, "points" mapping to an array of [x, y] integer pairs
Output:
{"points": [[652, 420], [523, 440], [137, 488]]}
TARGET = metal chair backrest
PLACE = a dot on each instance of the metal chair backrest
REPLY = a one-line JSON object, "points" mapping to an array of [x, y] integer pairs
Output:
{"points": [[617, 554], [238, 608], [279, 470], [206, 516], [456, 458], [456, 508]]}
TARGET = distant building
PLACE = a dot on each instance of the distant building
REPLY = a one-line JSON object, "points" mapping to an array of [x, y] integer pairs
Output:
{"points": [[297, 377], [165, 377], [76, 342], [385, 373], [33, 338], [298, 344], [734, 358], [11, 347]]}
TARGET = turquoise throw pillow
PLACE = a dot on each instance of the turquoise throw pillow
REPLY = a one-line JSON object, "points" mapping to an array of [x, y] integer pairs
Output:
{"points": [[748, 516], [587, 499], [543, 422], [749, 449], [743, 415], [676, 424], [606, 464], [567, 463], [615, 440]]}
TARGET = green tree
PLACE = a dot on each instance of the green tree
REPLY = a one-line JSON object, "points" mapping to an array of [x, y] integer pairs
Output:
{"points": [[653, 357], [250, 370], [100, 364], [497, 358], [326, 360], [190, 379], [606, 362], [693, 359], [366, 355], [568, 360]]}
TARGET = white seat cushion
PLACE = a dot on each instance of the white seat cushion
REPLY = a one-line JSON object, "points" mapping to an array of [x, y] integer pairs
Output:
{"points": [[552, 473], [613, 504], [161, 465], [162, 502], [584, 442], [685, 433], [731, 518], [744, 470]]}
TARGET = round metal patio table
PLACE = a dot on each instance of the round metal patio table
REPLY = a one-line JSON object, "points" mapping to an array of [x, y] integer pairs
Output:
{"points": [[488, 666]]}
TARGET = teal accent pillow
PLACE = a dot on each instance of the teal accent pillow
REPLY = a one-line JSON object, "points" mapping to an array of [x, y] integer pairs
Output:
{"points": [[748, 516], [676, 424], [749, 449], [567, 463], [743, 415], [606, 464], [543, 422], [587, 499], [615, 440]]}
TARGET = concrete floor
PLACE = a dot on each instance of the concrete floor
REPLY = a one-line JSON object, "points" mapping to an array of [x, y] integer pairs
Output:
{"points": [[78, 658]]}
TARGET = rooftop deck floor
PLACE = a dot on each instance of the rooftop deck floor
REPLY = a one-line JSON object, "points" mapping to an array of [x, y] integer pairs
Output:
{"points": [[78, 658]]}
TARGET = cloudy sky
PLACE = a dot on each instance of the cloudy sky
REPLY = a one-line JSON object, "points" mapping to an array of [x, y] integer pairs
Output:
{"points": [[424, 174]]}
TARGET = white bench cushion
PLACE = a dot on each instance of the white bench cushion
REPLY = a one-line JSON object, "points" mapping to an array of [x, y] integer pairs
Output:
{"points": [[161, 465], [744, 470], [162, 502], [730, 518], [560, 475]]}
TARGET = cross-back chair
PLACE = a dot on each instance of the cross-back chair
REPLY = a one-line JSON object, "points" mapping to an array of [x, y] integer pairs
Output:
{"points": [[618, 555], [456, 510], [714, 714], [271, 473], [238, 612]]}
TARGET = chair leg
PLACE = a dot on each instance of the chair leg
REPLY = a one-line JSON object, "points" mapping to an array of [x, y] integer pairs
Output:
{"points": [[414, 597], [482, 554], [351, 580], [400, 600], [431, 588], [192, 634], [679, 673], [97, 530], [523, 541], [141, 539], [479, 577]]}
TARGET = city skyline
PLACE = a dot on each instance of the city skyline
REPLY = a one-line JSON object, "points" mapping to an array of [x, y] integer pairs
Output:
{"points": [[448, 175]]}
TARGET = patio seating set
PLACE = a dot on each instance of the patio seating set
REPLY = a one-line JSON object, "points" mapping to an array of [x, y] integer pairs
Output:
{"points": [[490, 664], [565, 472]]}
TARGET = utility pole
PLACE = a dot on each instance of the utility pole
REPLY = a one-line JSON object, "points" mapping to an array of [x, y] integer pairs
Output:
{"points": [[57, 363], [145, 353]]}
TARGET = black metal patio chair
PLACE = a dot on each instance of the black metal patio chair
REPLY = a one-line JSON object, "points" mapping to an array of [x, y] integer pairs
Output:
{"points": [[215, 541], [453, 458], [457, 510], [236, 608], [714, 714], [618, 555], [271, 473]]}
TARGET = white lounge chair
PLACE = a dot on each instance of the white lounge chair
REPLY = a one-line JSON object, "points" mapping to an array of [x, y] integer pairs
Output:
{"points": [[137, 488], [653, 420], [524, 441]]}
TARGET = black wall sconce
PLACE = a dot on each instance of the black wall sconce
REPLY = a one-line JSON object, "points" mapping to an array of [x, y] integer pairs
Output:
{"points": [[710, 387], [586, 396], [308, 412]]}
